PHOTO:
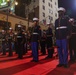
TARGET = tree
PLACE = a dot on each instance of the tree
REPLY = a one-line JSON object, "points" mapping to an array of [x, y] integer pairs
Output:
{"points": [[27, 2], [20, 8]]}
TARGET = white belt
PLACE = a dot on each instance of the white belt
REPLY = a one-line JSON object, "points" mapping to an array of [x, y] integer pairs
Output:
{"points": [[9, 37], [35, 33], [62, 27], [19, 36], [3, 39]]}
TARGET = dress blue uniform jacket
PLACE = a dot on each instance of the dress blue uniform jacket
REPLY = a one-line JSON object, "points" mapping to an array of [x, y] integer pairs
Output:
{"points": [[36, 33], [61, 28], [49, 34]]}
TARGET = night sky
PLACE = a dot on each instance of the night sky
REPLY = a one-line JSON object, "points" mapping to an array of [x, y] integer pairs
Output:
{"points": [[70, 6]]}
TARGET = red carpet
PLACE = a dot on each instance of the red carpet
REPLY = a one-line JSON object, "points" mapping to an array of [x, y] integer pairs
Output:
{"points": [[14, 66]]}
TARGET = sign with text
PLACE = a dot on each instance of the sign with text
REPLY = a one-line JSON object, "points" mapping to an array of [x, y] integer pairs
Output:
{"points": [[3, 4]]}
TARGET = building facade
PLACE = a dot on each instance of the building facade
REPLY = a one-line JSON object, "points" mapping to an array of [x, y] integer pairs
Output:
{"points": [[13, 21], [45, 10]]}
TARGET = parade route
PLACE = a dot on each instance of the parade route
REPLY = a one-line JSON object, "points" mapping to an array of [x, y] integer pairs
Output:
{"points": [[14, 66]]}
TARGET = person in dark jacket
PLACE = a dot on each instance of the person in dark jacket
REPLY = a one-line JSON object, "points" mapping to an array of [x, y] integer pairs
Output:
{"points": [[61, 32], [43, 43], [20, 42], [72, 40], [15, 42], [3, 37], [49, 41], [35, 37], [10, 41], [24, 41]]}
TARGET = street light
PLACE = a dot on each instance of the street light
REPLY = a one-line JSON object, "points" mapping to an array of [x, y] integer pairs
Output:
{"points": [[9, 5], [16, 3]]}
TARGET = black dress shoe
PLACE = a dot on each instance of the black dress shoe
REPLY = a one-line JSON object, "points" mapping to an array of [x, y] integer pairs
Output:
{"points": [[43, 54], [48, 57], [3, 54], [9, 55], [34, 60], [19, 57], [60, 65], [66, 66]]}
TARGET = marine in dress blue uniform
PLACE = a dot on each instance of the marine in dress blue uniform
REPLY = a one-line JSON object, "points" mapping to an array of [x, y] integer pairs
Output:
{"points": [[3, 42], [36, 33], [72, 41], [49, 41], [20, 42], [10, 41], [43, 43], [15, 42], [61, 31]]}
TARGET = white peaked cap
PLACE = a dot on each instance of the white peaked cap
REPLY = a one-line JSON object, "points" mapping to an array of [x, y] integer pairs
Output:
{"points": [[25, 33], [2, 30], [19, 25], [61, 9], [48, 23], [71, 19], [10, 28], [35, 19], [15, 33]]}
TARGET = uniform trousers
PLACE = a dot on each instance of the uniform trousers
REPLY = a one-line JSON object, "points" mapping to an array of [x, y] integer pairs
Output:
{"points": [[62, 51]]}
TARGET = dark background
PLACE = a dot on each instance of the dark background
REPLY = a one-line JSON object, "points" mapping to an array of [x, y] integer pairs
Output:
{"points": [[70, 6]]}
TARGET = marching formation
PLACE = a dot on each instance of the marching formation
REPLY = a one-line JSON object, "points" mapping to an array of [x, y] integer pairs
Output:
{"points": [[65, 34], [20, 40]]}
